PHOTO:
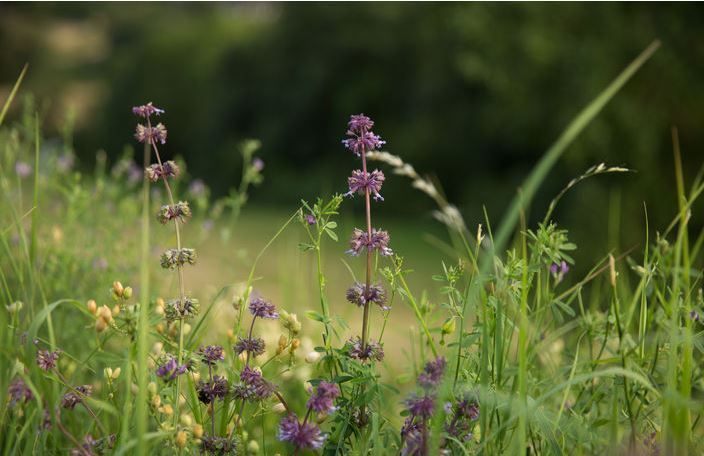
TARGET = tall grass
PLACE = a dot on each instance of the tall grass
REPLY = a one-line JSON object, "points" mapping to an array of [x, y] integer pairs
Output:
{"points": [[512, 352]]}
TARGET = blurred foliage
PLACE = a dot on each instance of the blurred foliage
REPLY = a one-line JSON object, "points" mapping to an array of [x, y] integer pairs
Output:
{"points": [[471, 92]]}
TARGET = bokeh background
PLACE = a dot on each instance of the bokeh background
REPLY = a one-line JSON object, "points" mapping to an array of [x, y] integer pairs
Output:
{"points": [[470, 93]]}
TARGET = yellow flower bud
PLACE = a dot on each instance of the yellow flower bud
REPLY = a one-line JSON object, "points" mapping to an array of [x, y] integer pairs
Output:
{"points": [[100, 325], [186, 420], [105, 313], [159, 328], [116, 373], [115, 309], [167, 409], [118, 289], [253, 447], [127, 293], [181, 439], [197, 431], [151, 387], [92, 306], [449, 326], [156, 400]]}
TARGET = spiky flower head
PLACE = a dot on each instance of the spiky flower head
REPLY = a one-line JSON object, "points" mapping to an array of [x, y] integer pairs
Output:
{"points": [[151, 135], [359, 182], [302, 436], [72, 398], [46, 360], [19, 392], [379, 241], [211, 354], [372, 351], [421, 406], [255, 346], [176, 309], [168, 169], [147, 110], [262, 308], [360, 295], [173, 258], [432, 373], [360, 138], [323, 399], [253, 386], [179, 211], [169, 369], [212, 390]]}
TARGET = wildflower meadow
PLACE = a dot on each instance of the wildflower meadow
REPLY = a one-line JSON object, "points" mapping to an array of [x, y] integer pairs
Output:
{"points": [[142, 314]]}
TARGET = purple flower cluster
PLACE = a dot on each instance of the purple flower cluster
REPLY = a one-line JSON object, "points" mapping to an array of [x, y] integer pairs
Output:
{"points": [[151, 135], [179, 211], [421, 408], [323, 399], [255, 346], [303, 436], [360, 295], [72, 398], [170, 369], [19, 392], [211, 354], [432, 373], [217, 388], [373, 351], [361, 240], [252, 387], [360, 138], [263, 309], [156, 171], [361, 182], [147, 110], [559, 271], [46, 360]]}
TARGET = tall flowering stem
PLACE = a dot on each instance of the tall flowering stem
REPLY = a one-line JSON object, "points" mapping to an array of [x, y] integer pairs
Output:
{"points": [[360, 140], [176, 213]]}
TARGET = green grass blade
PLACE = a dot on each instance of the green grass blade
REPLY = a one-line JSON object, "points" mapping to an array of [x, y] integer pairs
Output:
{"points": [[16, 87]]}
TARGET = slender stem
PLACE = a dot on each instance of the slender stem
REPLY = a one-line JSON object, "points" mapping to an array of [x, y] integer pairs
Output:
{"points": [[179, 268], [212, 403], [283, 401], [83, 402], [68, 434], [367, 203]]}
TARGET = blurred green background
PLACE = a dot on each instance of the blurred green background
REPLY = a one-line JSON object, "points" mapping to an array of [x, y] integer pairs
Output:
{"points": [[471, 93]]}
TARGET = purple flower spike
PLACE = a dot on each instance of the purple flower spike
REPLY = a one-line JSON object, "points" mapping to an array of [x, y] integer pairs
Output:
{"points": [[263, 309], [372, 351], [170, 369], [253, 386], [251, 345], [359, 294], [147, 110], [379, 241], [211, 354], [360, 138], [421, 406], [301, 436], [19, 392], [46, 360], [359, 123], [323, 400], [151, 135], [215, 389], [432, 373], [360, 182]]}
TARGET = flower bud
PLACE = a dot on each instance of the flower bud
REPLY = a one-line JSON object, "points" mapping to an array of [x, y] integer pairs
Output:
{"points": [[108, 372], [100, 325], [156, 400], [151, 387], [115, 309], [92, 306], [295, 343], [278, 408], [252, 447], [167, 409], [127, 293], [116, 373], [283, 341], [105, 313], [117, 289], [181, 439], [312, 357], [449, 326], [186, 420], [197, 431]]}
